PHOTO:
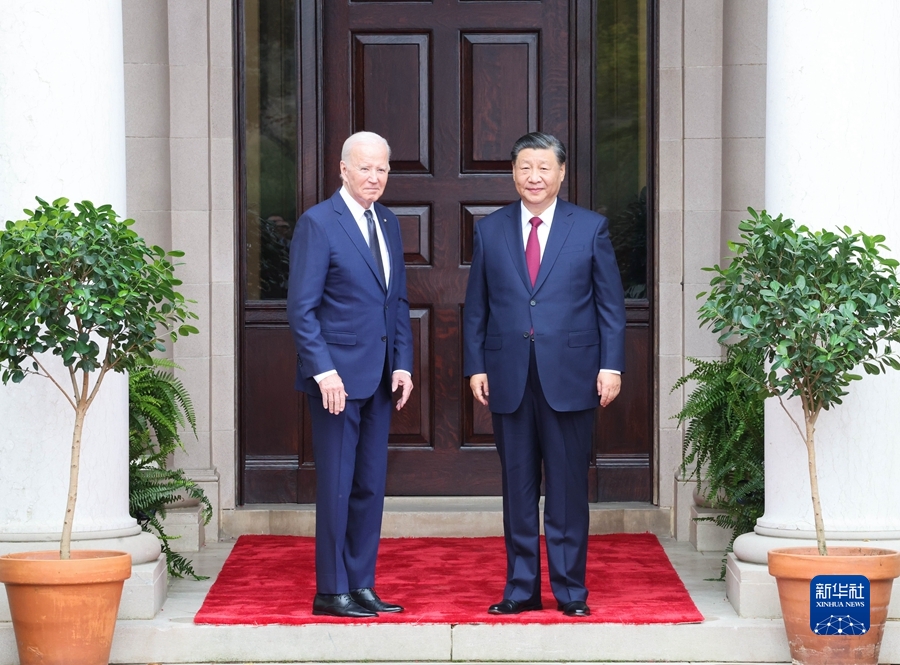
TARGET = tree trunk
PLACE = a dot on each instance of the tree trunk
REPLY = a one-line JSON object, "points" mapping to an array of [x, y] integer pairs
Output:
{"points": [[814, 486], [65, 543]]}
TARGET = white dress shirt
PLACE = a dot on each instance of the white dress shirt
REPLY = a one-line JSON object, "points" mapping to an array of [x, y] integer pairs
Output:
{"points": [[358, 213], [543, 232]]}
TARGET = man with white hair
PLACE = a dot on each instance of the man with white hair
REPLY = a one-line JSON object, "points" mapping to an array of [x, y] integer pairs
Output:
{"points": [[349, 314]]}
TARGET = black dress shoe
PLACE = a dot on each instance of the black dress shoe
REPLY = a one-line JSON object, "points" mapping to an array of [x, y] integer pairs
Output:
{"points": [[369, 599], [340, 605], [507, 606], [575, 608]]}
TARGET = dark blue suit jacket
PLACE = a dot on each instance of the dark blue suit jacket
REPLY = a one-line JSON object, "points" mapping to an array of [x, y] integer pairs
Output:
{"points": [[576, 309], [339, 312]]}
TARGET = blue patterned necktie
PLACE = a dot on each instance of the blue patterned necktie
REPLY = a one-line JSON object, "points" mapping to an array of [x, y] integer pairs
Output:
{"points": [[374, 245]]}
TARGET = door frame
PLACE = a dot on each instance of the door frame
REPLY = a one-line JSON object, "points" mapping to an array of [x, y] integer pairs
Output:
{"points": [[310, 31]]}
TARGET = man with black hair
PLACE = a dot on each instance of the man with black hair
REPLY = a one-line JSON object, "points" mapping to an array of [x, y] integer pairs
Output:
{"points": [[544, 332]]}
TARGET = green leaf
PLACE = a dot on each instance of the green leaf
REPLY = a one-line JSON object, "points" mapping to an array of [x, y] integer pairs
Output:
{"points": [[818, 305], [70, 276]]}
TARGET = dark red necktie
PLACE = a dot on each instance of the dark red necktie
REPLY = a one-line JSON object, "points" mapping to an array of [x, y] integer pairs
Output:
{"points": [[533, 251]]}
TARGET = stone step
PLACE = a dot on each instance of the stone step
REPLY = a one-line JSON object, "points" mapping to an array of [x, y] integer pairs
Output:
{"points": [[724, 637], [422, 517]]}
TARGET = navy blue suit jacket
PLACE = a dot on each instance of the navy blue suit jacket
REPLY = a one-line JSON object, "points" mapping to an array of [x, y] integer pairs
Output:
{"points": [[340, 314], [576, 309]]}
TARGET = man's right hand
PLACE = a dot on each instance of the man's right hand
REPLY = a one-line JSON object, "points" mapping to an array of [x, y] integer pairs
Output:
{"points": [[479, 385], [334, 398]]}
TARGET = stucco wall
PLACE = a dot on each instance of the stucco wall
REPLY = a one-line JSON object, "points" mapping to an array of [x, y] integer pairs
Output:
{"points": [[712, 91], [180, 179]]}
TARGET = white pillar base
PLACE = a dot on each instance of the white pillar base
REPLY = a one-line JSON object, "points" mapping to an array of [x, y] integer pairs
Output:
{"points": [[753, 592], [754, 547], [142, 546]]}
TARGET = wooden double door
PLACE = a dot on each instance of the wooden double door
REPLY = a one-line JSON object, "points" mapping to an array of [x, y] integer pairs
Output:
{"points": [[451, 84]]}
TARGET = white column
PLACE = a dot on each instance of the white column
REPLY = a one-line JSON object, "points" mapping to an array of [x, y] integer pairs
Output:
{"points": [[833, 158], [62, 133]]}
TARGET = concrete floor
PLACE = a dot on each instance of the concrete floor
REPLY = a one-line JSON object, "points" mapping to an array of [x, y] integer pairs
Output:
{"points": [[172, 637]]}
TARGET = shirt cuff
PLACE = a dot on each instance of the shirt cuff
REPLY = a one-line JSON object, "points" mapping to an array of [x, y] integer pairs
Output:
{"points": [[319, 377], [408, 373], [611, 371]]}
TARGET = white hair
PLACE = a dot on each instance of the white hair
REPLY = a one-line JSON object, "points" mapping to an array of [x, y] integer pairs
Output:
{"points": [[360, 138]]}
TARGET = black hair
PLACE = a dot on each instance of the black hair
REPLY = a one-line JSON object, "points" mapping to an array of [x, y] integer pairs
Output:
{"points": [[540, 141]]}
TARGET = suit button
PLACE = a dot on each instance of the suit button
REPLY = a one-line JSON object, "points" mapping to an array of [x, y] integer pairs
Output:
{"points": [[385, 308], [384, 338], [533, 303], [524, 334]]}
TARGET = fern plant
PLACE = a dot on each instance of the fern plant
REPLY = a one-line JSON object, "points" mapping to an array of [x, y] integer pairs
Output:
{"points": [[159, 408], [724, 439]]}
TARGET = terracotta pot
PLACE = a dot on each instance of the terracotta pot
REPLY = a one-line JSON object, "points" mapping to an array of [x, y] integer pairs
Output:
{"points": [[794, 568], [64, 612]]}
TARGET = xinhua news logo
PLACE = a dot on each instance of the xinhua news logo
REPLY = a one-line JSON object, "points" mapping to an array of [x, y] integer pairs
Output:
{"points": [[839, 605]]}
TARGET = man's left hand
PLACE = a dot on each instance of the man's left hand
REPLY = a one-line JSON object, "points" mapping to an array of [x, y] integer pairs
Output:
{"points": [[608, 386], [404, 381]]}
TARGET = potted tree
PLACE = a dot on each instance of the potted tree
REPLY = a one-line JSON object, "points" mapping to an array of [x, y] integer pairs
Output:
{"points": [[818, 304], [81, 285]]}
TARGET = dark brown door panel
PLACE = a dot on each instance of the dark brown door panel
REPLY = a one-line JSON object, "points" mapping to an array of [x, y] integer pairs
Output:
{"points": [[451, 84]]}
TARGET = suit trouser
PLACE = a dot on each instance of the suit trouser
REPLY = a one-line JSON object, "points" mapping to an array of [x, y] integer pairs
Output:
{"points": [[533, 434], [351, 465]]}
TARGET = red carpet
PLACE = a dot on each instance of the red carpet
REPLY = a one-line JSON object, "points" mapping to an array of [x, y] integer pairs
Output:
{"points": [[271, 579]]}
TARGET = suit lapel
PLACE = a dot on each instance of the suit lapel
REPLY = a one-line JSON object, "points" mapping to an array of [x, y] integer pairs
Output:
{"points": [[559, 231], [345, 219], [516, 242]]}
